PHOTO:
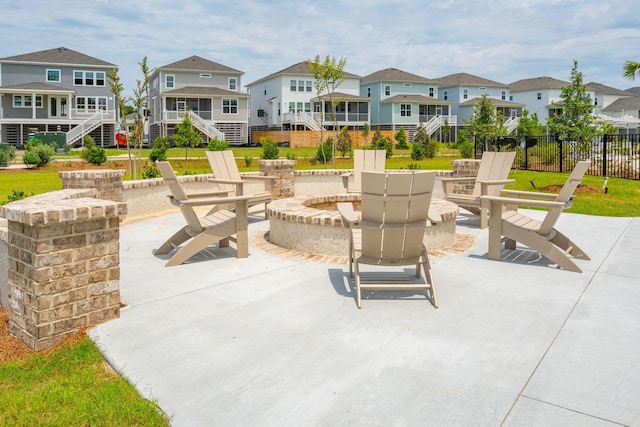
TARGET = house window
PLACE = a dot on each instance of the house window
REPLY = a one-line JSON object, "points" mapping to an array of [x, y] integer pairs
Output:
{"points": [[89, 78], [205, 75], [431, 92], [445, 95], [90, 103], [405, 110], [309, 85], [407, 85], [387, 90], [229, 106], [299, 107], [539, 95], [595, 100], [482, 89], [26, 101], [17, 101], [293, 86], [169, 81], [369, 92], [102, 104], [503, 94], [300, 85], [292, 106], [465, 94], [53, 75], [233, 83], [80, 103], [307, 107]]}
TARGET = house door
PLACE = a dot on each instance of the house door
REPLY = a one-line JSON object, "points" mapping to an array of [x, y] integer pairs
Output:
{"points": [[58, 106]]}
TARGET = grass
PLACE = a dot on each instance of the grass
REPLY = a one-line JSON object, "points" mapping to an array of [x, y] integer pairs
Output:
{"points": [[72, 386]]}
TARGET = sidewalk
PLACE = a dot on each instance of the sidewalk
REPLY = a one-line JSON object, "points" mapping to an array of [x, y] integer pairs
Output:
{"points": [[274, 341]]}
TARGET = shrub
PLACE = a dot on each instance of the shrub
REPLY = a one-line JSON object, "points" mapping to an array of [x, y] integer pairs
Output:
{"points": [[323, 155], [343, 144], [96, 155], [417, 151], [150, 171], [159, 151], [16, 195], [401, 138], [383, 143], [216, 144], [291, 155], [248, 160], [431, 149], [466, 150], [4, 158], [413, 166], [270, 149], [37, 153]]}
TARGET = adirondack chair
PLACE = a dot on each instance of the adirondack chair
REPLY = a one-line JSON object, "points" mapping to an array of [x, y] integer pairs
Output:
{"points": [[491, 179], [217, 226], [227, 176], [363, 160], [541, 236], [394, 217]]}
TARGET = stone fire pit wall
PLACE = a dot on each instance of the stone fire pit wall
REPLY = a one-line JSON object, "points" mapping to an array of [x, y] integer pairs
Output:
{"points": [[464, 168], [63, 264]]}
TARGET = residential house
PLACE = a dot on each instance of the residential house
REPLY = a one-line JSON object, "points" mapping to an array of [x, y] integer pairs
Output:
{"points": [[288, 100], [465, 91], [605, 95], [402, 99], [208, 90], [541, 95], [56, 90]]}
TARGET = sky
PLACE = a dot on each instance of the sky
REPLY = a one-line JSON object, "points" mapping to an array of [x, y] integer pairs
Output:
{"points": [[504, 41]]}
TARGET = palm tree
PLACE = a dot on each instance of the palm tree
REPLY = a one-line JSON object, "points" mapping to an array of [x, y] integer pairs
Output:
{"points": [[631, 68]]}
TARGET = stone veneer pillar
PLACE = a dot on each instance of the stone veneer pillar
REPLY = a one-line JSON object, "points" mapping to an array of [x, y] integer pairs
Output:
{"points": [[107, 182], [284, 184], [464, 168], [64, 266]]}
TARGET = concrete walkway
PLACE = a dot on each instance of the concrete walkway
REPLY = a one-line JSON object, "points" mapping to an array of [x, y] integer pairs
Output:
{"points": [[277, 341]]}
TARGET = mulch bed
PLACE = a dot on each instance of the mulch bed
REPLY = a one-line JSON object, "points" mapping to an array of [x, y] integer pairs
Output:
{"points": [[581, 189]]}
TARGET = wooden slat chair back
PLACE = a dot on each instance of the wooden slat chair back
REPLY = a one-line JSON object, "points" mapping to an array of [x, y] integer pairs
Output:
{"points": [[390, 232], [493, 166], [364, 160]]}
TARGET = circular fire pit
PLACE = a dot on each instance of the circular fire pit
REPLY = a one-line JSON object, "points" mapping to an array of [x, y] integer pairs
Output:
{"points": [[313, 225]]}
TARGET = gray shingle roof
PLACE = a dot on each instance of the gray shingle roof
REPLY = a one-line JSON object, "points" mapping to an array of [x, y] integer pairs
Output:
{"points": [[632, 104], [394, 75], [60, 55], [537, 83], [196, 63], [606, 90], [466, 79], [35, 86], [634, 90], [300, 69], [416, 99], [495, 102]]}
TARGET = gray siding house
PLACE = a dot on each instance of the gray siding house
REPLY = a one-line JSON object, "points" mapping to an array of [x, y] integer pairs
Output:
{"points": [[401, 99], [56, 90], [208, 90]]}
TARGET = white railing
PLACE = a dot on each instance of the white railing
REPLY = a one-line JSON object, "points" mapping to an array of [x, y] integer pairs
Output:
{"points": [[206, 126], [85, 127], [301, 118], [511, 124], [437, 121]]}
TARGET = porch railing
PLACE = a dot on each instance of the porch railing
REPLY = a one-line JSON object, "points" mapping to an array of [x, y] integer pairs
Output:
{"points": [[89, 124]]}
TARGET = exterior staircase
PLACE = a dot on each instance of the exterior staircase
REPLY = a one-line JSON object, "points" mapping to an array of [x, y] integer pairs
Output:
{"points": [[511, 124], [206, 126], [78, 132]]}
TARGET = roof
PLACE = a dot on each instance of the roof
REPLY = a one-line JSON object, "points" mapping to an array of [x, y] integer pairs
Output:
{"points": [[204, 90], [632, 103], [34, 87], [465, 79], [196, 63], [495, 102], [300, 69], [537, 83], [60, 55], [416, 99], [342, 95], [634, 90], [394, 75], [606, 90]]}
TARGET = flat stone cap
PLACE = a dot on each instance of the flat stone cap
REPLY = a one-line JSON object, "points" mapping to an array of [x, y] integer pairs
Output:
{"points": [[61, 206]]}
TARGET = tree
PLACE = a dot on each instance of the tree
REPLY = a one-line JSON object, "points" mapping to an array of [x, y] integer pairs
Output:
{"points": [[401, 138], [328, 72], [343, 145], [529, 126], [487, 124], [186, 136], [576, 122], [446, 130], [365, 133], [140, 104], [631, 69]]}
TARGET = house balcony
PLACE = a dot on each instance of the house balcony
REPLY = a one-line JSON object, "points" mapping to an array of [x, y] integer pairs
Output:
{"points": [[74, 117]]}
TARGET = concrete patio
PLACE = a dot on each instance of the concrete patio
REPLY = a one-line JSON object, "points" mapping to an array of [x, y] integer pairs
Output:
{"points": [[274, 340]]}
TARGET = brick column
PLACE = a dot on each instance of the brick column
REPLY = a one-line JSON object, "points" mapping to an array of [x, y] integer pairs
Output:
{"points": [[64, 266], [284, 184], [465, 168], [107, 182]]}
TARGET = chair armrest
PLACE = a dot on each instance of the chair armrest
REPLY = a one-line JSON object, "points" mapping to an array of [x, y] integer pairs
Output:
{"points": [[267, 179], [225, 181], [349, 217], [488, 201], [529, 194], [485, 184], [208, 201], [345, 178], [215, 193], [449, 181]]}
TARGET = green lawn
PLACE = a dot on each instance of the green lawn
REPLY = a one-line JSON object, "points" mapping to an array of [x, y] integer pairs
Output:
{"points": [[71, 387]]}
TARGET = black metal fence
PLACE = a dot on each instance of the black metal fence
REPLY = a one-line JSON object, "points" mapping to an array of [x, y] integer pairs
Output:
{"points": [[615, 156]]}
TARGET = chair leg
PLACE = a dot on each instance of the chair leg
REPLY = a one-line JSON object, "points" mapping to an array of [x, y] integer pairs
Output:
{"points": [[428, 276], [174, 241], [564, 243], [548, 250], [194, 246], [358, 295]]}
